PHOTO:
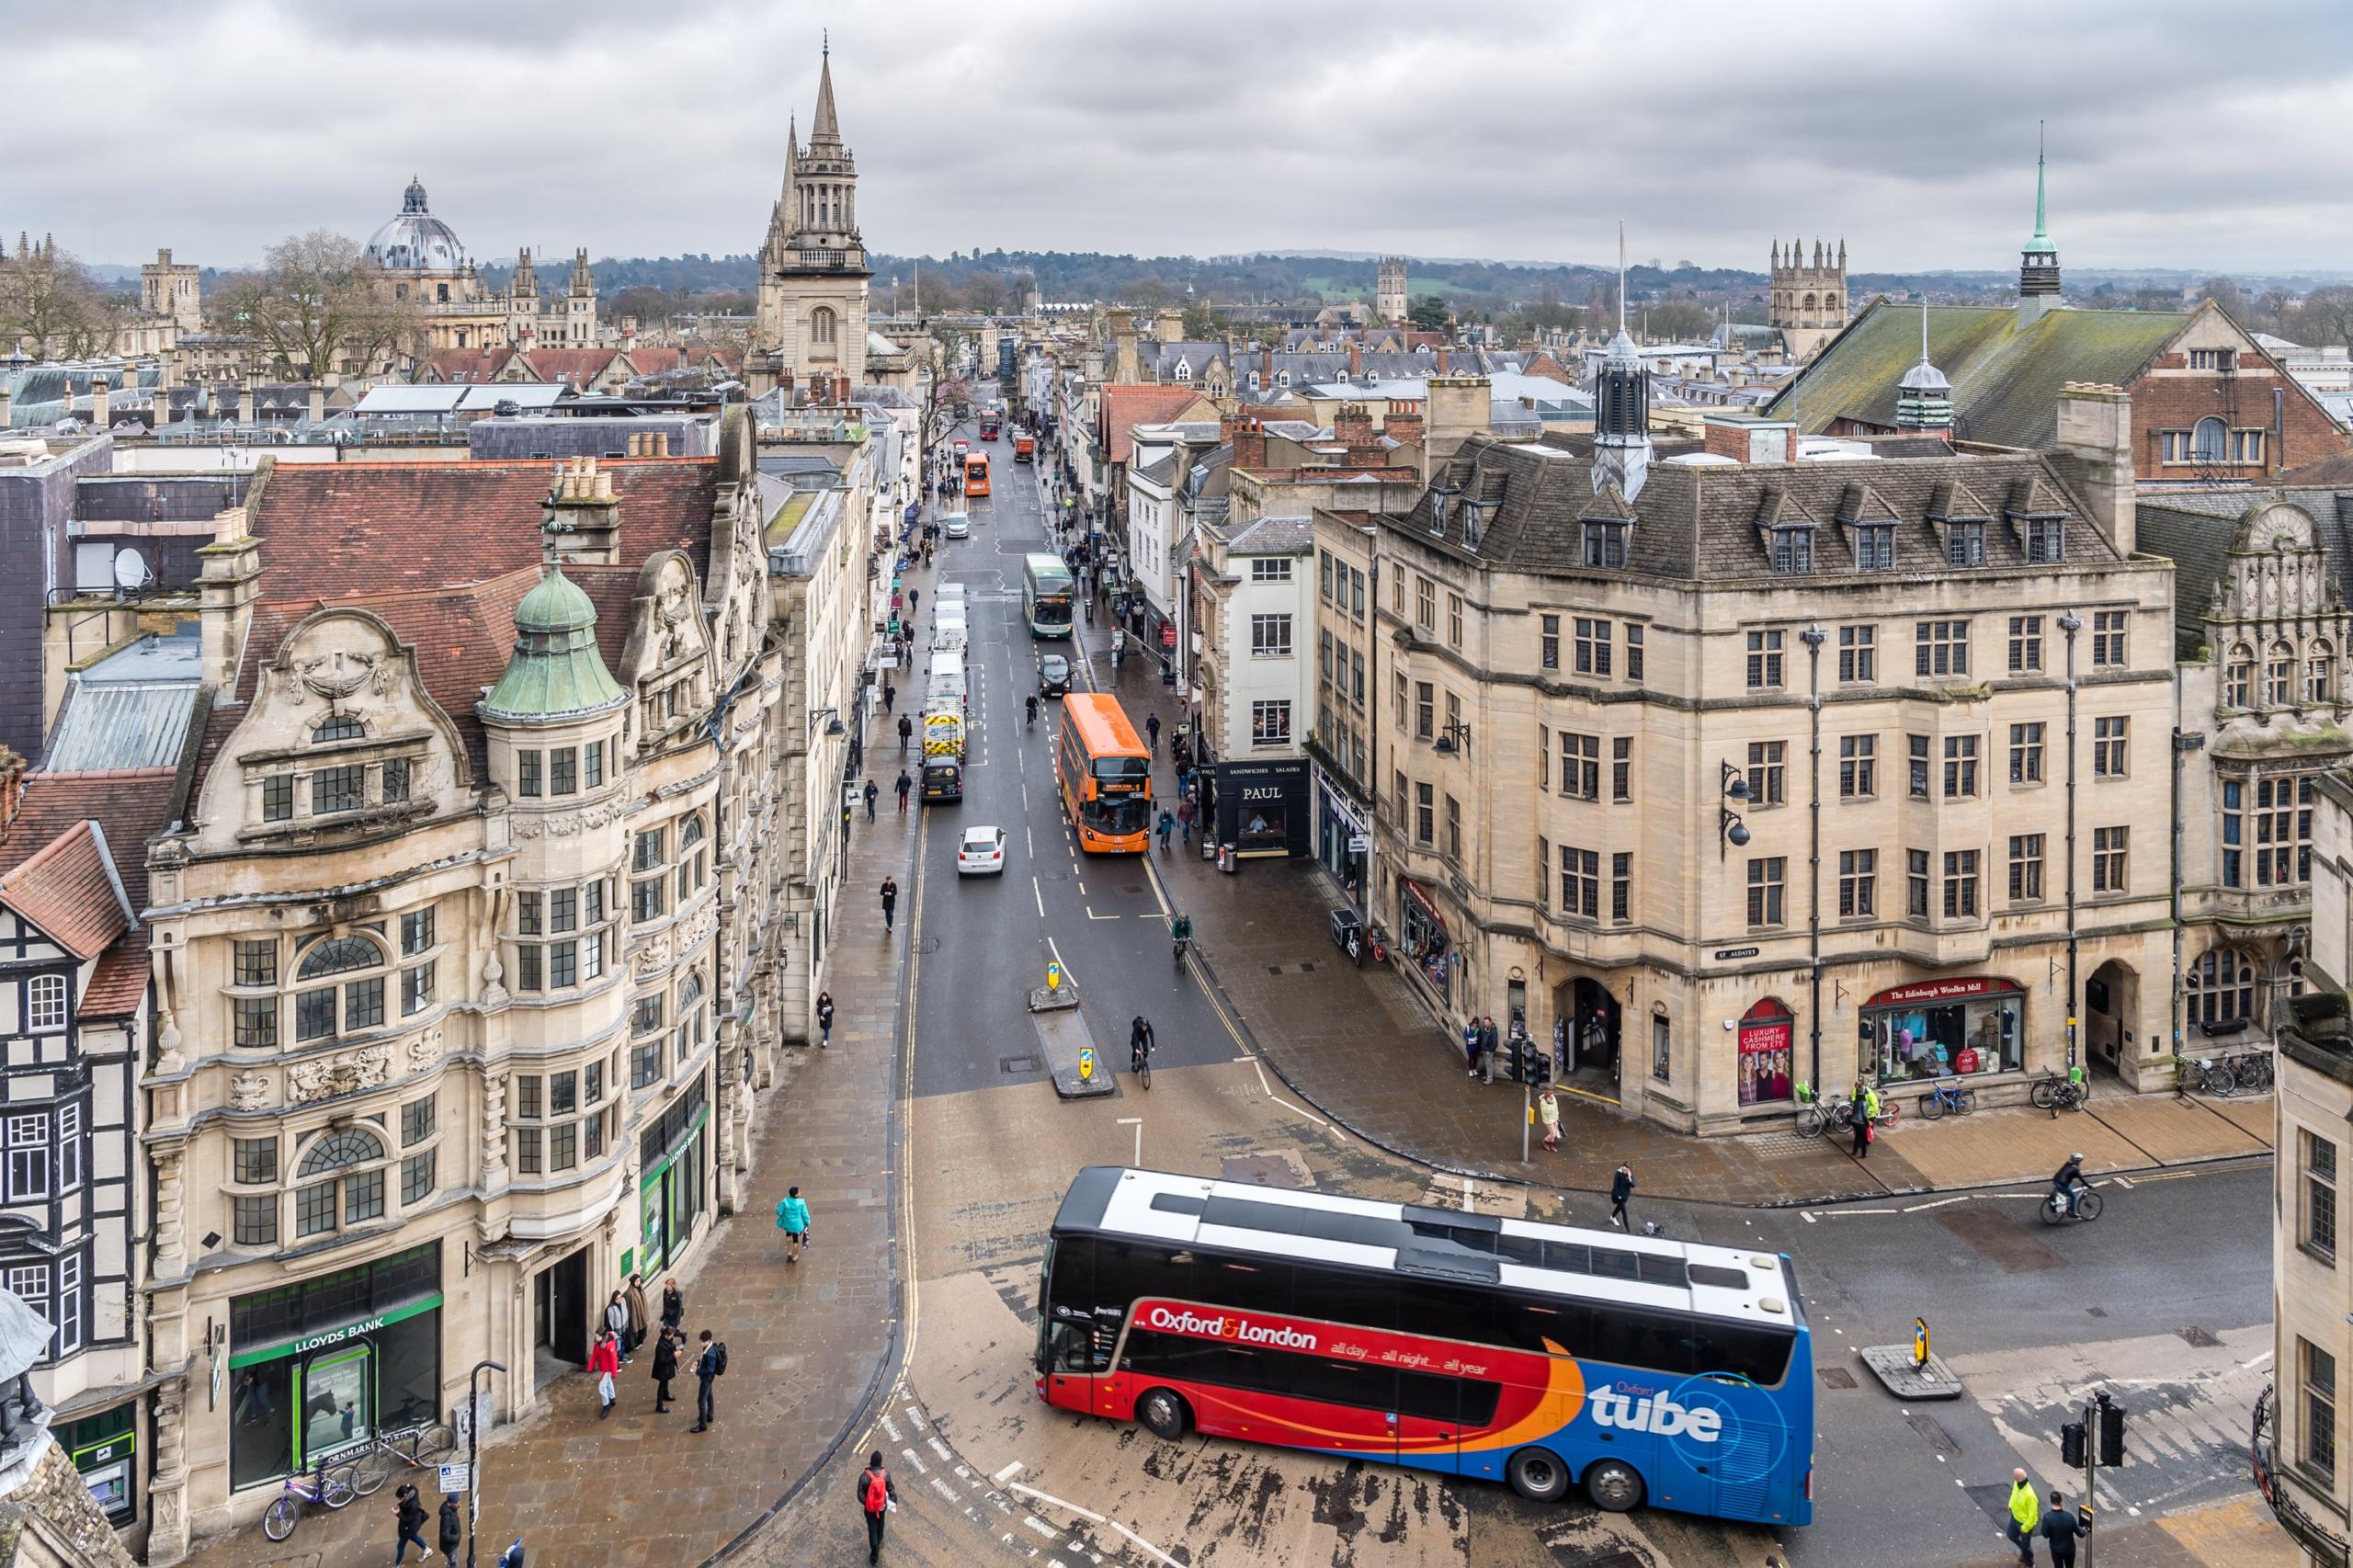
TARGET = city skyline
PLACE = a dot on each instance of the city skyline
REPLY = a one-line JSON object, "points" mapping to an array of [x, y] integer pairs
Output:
{"points": [[1915, 142]]}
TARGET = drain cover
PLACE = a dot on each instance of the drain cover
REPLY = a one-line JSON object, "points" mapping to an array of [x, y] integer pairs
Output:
{"points": [[1020, 1065], [2198, 1337], [1835, 1377]]}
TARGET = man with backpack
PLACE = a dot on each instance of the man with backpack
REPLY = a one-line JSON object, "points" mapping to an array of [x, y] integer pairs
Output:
{"points": [[710, 1366], [879, 1499]]}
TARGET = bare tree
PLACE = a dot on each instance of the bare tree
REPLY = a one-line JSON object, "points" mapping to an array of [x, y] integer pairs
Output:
{"points": [[985, 292], [318, 304], [52, 308], [2325, 315]]}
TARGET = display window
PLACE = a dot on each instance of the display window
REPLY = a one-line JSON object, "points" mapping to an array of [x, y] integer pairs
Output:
{"points": [[1944, 1027]]}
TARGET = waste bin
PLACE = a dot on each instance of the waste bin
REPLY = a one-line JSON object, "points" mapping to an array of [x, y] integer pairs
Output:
{"points": [[1209, 847], [1225, 857]]}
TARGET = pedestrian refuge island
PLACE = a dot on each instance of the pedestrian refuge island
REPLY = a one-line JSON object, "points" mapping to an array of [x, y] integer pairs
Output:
{"points": [[1080, 1070]]}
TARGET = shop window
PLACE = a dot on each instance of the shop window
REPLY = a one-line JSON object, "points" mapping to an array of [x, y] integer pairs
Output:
{"points": [[1765, 1035], [1662, 1053], [1944, 1027]]}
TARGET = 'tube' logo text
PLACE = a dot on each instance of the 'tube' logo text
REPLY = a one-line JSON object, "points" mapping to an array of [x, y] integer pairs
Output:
{"points": [[1240, 1330], [1656, 1413]]}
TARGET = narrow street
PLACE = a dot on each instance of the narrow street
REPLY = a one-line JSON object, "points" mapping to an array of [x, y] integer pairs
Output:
{"points": [[2030, 1318]]}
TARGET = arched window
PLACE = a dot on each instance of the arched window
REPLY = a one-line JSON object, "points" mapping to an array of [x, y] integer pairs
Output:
{"points": [[2220, 986], [318, 1012], [693, 1019], [351, 1161], [693, 858], [2320, 671], [1830, 302], [2238, 677], [823, 325], [2280, 674], [1808, 304], [338, 727], [2211, 441]]}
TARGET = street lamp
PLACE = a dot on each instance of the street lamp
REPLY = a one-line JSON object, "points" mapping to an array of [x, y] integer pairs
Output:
{"points": [[474, 1453], [1453, 737], [1730, 829]]}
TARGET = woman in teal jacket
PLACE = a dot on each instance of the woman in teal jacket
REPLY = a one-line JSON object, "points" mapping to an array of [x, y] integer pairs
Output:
{"points": [[792, 1219]]}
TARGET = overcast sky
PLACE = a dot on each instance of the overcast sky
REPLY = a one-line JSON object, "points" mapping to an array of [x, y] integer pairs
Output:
{"points": [[2183, 135]]}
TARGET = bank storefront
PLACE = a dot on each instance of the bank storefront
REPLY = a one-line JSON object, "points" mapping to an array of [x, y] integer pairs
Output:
{"points": [[674, 1179], [322, 1364], [1939, 1028]]}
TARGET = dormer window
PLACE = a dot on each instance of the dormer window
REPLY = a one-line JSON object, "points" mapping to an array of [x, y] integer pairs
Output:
{"points": [[2046, 540], [1875, 547], [1793, 551], [1965, 544], [1605, 544]]}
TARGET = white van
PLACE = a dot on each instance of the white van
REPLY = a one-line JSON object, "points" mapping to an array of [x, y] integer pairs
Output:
{"points": [[947, 594], [945, 684]]}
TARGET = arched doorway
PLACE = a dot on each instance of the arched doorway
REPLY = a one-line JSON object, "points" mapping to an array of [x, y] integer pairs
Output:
{"points": [[1587, 1024], [1766, 1067], [2111, 999]]}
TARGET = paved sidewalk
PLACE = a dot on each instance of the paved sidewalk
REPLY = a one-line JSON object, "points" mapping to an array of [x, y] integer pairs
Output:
{"points": [[1363, 1047], [806, 1342]]}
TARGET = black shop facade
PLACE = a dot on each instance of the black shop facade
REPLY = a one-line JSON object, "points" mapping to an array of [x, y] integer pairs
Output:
{"points": [[1263, 807]]}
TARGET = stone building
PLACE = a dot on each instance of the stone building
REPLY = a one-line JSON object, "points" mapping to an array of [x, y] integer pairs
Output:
{"points": [[1808, 301], [462, 941], [424, 262], [1389, 302], [813, 278], [1745, 771]]}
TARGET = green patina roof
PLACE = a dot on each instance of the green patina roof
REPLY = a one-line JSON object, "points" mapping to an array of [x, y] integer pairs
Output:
{"points": [[788, 517], [556, 671], [2006, 381]]}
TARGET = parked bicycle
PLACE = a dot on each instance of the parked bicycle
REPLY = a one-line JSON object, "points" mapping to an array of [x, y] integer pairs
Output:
{"points": [[331, 1487], [423, 1446], [2081, 1203], [2253, 1071], [2056, 1094], [1819, 1115], [2211, 1076], [1948, 1095]]}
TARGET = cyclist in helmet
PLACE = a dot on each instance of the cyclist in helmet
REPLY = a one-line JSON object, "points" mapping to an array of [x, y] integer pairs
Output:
{"points": [[2069, 1181]]}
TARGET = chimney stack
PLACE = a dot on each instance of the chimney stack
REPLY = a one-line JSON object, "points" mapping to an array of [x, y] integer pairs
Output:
{"points": [[12, 785], [318, 404], [2095, 457], [1249, 443], [245, 401], [226, 588], [98, 401]]}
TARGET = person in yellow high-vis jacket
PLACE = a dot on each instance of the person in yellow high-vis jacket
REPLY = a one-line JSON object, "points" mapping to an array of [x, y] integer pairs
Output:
{"points": [[2026, 1512]]}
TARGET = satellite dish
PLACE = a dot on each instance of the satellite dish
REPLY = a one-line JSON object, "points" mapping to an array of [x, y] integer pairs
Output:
{"points": [[130, 570]]}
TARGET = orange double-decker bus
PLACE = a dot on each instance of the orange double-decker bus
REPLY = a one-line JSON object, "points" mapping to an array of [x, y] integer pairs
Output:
{"points": [[976, 475], [1105, 775]]}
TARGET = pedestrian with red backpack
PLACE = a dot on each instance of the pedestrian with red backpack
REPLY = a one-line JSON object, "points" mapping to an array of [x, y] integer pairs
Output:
{"points": [[879, 1498]]}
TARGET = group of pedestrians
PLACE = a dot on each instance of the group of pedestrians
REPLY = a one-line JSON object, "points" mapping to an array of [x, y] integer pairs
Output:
{"points": [[2059, 1526]]}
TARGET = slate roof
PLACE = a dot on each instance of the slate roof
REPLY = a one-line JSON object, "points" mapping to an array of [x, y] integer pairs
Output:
{"points": [[2005, 381], [1274, 535], [1707, 522], [2193, 529]]}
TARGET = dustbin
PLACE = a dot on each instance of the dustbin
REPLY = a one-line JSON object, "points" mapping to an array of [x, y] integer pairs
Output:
{"points": [[1209, 847], [1225, 857]]}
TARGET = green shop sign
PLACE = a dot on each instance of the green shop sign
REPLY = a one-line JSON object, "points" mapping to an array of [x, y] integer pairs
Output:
{"points": [[305, 1344]]}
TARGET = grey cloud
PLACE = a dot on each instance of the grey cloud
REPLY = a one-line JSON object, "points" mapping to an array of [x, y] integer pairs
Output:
{"points": [[1516, 129]]}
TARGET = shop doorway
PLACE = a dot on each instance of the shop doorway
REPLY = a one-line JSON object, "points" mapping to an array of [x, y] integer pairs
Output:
{"points": [[560, 1318], [1591, 1038], [2111, 998]]}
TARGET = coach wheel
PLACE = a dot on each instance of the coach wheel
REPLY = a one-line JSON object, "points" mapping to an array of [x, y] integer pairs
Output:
{"points": [[1615, 1486], [1164, 1414], [1538, 1476]]}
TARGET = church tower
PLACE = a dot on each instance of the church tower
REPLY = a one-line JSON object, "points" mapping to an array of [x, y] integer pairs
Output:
{"points": [[1389, 289], [813, 277], [2039, 260], [1809, 299], [580, 304], [1621, 440]]}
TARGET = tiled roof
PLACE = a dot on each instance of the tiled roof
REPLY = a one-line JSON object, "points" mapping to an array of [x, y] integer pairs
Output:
{"points": [[2334, 472], [1274, 535], [330, 530], [465, 364], [127, 808], [1704, 522], [573, 367], [66, 888], [1125, 407], [2006, 381]]}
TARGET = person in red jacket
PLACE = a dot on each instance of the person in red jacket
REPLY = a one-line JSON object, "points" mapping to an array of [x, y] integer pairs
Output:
{"points": [[605, 1360]]}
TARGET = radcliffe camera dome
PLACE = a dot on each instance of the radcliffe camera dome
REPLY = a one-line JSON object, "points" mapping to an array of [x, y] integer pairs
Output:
{"points": [[416, 241]]}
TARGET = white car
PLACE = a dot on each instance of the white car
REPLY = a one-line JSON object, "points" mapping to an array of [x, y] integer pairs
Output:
{"points": [[957, 525], [980, 852]]}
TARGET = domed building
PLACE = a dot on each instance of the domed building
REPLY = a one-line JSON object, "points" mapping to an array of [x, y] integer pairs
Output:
{"points": [[424, 260]]}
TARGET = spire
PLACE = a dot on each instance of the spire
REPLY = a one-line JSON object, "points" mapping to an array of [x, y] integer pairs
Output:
{"points": [[827, 129], [791, 156], [1621, 450], [2039, 260], [2041, 223]]}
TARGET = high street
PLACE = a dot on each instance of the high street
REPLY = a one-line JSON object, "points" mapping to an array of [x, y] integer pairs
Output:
{"points": [[2033, 1319]]}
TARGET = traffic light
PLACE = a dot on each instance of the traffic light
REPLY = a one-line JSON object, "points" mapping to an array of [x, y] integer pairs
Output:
{"points": [[1541, 1064], [2111, 1433], [2071, 1445], [1518, 1059]]}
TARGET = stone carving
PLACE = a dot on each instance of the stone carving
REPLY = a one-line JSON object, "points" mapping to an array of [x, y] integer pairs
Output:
{"points": [[328, 675], [571, 822], [249, 1090], [654, 953], [325, 1078], [425, 1050]]}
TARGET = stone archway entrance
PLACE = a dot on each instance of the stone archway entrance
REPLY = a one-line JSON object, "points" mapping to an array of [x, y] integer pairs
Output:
{"points": [[1589, 1020], [2111, 1000]]}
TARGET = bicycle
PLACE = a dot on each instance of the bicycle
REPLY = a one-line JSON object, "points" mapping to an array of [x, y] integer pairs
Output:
{"points": [[2213, 1076], [421, 1446], [1819, 1115], [2078, 1203], [1948, 1095], [330, 1487], [2253, 1071], [2055, 1094], [1139, 1064]]}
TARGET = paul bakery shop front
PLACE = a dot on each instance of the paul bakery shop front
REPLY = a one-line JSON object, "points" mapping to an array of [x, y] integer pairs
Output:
{"points": [[325, 1364]]}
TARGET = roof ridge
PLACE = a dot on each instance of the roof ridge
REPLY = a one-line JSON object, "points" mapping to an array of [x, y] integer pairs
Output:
{"points": [[56, 846]]}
